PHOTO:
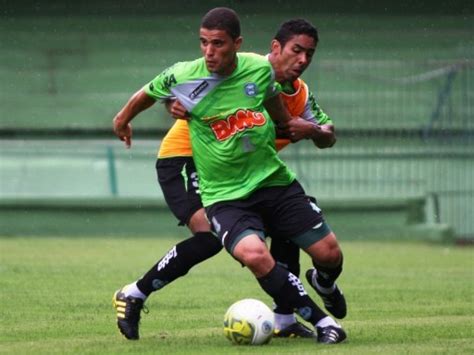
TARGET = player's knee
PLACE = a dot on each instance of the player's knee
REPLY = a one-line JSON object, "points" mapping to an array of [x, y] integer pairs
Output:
{"points": [[254, 257], [333, 255], [257, 259], [330, 254], [330, 250], [326, 251]]}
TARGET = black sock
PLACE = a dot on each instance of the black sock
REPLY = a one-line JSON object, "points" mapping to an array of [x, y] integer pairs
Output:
{"points": [[179, 260], [288, 291], [327, 275], [286, 254]]}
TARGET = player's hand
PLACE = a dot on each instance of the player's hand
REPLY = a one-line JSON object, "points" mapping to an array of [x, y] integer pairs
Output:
{"points": [[298, 129], [178, 111], [123, 132]]}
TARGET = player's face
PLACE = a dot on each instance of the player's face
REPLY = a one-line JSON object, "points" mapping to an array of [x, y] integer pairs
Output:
{"points": [[293, 59], [219, 50]]}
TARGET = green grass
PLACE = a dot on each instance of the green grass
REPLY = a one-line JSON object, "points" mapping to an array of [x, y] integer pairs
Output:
{"points": [[56, 298]]}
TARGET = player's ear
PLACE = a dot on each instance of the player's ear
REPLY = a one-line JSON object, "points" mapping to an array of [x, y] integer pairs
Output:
{"points": [[238, 42], [275, 46]]}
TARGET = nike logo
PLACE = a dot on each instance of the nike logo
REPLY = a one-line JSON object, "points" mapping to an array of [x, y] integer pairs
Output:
{"points": [[318, 225]]}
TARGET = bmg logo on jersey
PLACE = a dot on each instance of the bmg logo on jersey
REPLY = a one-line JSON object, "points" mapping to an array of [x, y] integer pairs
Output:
{"points": [[250, 89], [238, 122]]}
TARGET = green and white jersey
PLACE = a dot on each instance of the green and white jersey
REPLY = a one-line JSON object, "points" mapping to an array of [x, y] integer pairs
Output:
{"points": [[232, 136]]}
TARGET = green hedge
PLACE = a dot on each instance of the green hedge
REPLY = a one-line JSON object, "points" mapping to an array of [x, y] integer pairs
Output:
{"points": [[351, 219]]}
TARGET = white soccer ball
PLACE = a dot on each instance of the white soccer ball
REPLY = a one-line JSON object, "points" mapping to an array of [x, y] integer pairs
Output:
{"points": [[249, 321]]}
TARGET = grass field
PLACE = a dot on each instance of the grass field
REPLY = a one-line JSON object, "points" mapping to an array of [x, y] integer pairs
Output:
{"points": [[56, 298]]}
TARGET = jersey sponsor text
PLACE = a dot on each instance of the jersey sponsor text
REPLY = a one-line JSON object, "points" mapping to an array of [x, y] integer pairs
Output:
{"points": [[238, 122]]}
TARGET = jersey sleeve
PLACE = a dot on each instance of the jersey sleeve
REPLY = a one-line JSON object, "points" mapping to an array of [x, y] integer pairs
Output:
{"points": [[312, 112], [159, 87], [273, 88]]}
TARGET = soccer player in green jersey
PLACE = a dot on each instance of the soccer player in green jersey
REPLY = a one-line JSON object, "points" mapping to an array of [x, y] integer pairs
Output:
{"points": [[245, 187]]}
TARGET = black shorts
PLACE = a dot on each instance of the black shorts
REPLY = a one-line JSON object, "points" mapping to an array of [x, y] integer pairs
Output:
{"points": [[179, 182], [283, 212]]}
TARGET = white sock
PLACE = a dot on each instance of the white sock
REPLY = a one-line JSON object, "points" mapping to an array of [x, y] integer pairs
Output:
{"points": [[132, 290], [284, 320], [326, 322]]}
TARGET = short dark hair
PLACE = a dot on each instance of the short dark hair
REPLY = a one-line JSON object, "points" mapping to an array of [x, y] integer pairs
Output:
{"points": [[296, 27], [222, 18]]}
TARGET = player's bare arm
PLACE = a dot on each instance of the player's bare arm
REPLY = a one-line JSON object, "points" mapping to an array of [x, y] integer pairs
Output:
{"points": [[139, 102], [278, 112], [323, 136]]}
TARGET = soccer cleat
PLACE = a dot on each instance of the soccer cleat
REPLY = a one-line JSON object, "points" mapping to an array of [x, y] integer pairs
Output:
{"points": [[128, 314], [334, 302], [295, 330], [331, 335]]}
